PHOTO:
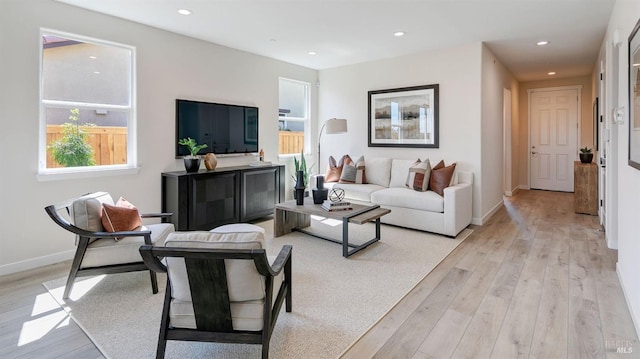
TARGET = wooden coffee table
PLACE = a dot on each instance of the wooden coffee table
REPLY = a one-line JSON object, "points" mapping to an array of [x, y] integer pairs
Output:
{"points": [[292, 217]]}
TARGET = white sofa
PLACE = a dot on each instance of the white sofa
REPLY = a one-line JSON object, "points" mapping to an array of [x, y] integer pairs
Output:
{"points": [[425, 211]]}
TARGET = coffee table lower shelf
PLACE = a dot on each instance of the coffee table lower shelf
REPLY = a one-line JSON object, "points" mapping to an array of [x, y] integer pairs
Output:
{"points": [[292, 217]]}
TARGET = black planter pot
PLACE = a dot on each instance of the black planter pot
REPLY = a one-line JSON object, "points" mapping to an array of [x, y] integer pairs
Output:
{"points": [[191, 164], [586, 157]]}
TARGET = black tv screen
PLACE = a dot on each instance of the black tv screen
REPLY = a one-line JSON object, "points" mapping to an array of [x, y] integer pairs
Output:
{"points": [[226, 129]]}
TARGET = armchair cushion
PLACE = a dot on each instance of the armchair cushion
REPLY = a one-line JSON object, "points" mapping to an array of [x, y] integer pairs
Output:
{"points": [[86, 211], [106, 251], [246, 286]]}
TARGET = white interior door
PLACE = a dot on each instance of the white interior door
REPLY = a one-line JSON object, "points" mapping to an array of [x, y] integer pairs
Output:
{"points": [[553, 138]]}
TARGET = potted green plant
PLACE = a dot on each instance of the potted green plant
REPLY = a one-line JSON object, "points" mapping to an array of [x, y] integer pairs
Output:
{"points": [[72, 150], [585, 155], [192, 161]]}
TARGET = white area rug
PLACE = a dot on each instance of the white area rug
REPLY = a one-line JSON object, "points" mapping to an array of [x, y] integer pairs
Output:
{"points": [[335, 299]]}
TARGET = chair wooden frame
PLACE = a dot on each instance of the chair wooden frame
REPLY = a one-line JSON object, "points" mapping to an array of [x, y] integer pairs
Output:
{"points": [[208, 283], [85, 237]]}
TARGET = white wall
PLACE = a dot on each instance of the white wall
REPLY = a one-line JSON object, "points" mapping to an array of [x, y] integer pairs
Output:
{"points": [[343, 94], [169, 66], [624, 17], [495, 78]]}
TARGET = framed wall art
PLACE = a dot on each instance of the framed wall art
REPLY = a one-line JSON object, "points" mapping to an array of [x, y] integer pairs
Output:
{"points": [[634, 98], [404, 117]]}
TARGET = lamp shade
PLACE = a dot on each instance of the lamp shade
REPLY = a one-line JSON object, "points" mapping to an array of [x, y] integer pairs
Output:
{"points": [[336, 125]]}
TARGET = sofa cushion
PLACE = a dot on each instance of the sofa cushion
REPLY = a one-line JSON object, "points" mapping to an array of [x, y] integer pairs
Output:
{"points": [[334, 170], [418, 177], [399, 170], [441, 178], [408, 198], [378, 170]]}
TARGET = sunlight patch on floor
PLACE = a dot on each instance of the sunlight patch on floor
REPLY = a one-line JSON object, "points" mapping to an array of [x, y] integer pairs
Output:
{"points": [[328, 221], [80, 287], [37, 328]]}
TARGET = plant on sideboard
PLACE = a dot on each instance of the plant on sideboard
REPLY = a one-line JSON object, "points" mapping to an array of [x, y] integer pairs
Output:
{"points": [[192, 161], [192, 145]]}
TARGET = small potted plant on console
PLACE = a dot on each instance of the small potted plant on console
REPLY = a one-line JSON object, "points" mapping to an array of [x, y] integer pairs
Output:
{"points": [[192, 161], [585, 155]]}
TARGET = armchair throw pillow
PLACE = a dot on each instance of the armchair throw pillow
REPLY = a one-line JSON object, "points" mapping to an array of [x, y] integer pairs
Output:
{"points": [[124, 216]]}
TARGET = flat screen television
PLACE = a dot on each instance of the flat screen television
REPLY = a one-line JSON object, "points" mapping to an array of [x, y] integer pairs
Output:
{"points": [[226, 129]]}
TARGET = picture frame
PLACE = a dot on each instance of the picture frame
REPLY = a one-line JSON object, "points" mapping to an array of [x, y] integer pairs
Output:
{"points": [[404, 117], [634, 98]]}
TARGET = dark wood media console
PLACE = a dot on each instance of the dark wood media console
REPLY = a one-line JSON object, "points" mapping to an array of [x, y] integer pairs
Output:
{"points": [[207, 199]]}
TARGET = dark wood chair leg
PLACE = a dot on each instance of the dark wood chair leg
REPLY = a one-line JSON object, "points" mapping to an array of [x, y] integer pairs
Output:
{"points": [[83, 243], [154, 282], [287, 278], [164, 322]]}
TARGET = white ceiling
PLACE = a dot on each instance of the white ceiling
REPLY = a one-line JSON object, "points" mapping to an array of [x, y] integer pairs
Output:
{"points": [[345, 32]]}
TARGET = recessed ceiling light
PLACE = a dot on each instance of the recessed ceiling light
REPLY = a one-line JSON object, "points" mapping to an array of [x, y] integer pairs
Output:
{"points": [[312, 53], [398, 33], [551, 73], [542, 43], [97, 72], [92, 57], [184, 12]]}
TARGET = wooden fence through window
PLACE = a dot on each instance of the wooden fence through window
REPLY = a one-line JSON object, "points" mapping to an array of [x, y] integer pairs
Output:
{"points": [[290, 142], [109, 144]]}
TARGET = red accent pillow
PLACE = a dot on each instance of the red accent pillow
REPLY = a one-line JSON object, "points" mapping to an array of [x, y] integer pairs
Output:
{"points": [[441, 177], [124, 216]]}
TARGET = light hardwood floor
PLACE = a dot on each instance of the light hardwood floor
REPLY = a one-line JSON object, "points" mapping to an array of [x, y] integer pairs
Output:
{"points": [[536, 281]]}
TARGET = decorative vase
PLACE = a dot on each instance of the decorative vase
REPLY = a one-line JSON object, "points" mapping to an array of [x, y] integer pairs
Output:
{"points": [[320, 193], [210, 161], [299, 188], [586, 157], [320, 182], [191, 164]]}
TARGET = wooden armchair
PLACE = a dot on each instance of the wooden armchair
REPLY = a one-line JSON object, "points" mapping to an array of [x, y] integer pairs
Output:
{"points": [[216, 283], [98, 251]]}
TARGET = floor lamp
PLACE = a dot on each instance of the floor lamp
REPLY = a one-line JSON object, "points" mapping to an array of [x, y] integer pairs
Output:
{"points": [[334, 126]]}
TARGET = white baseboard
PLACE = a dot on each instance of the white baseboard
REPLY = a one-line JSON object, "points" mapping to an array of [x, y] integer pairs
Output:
{"points": [[481, 221], [635, 318], [524, 186], [36, 262], [512, 192]]}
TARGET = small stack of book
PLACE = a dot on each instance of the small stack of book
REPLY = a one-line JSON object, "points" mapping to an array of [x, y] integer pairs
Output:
{"points": [[336, 206]]}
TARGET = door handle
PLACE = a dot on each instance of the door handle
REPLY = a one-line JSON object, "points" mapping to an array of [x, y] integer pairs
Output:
{"points": [[533, 152]]}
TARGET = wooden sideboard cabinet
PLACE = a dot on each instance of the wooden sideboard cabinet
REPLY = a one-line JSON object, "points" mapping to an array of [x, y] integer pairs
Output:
{"points": [[585, 181], [207, 199]]}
